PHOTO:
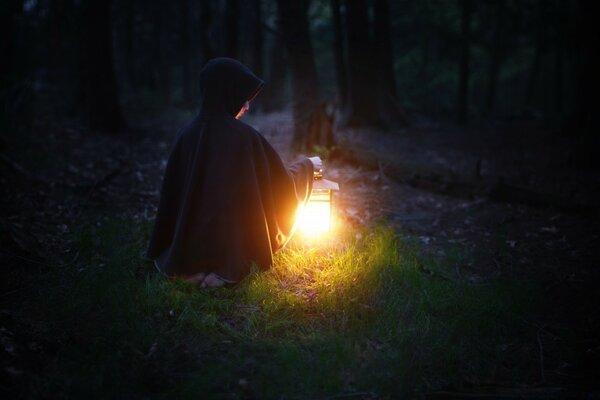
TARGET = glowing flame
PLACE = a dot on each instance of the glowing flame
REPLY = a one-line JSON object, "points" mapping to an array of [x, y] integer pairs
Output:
{"points": [[316, 216]]}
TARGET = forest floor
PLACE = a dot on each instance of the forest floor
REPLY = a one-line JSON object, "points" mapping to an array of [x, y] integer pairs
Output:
{"points": [[549, 244], [62, 182]]}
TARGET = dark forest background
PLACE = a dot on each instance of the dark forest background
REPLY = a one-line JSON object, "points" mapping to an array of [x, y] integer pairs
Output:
{"points": [[380, 62], [464, 137]]}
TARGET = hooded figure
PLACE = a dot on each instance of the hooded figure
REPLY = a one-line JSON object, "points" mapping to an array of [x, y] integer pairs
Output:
{"points": [[227, 199]]}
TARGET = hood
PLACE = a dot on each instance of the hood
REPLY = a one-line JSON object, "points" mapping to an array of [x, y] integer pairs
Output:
{"points": [[225, 85]]}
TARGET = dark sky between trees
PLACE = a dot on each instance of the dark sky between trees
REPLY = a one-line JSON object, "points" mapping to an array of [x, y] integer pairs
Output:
{"points": [[378, 62]]}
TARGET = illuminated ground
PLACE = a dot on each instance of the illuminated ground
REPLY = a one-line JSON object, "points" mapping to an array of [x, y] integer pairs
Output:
{"points": [[413, 293]]}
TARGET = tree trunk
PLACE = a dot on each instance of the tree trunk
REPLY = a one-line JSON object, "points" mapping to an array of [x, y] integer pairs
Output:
{"points": [[8, 12], [253, 15], [162, 66], [390, 111], [256, 33], [536, 62], [588, 87], [361, 109], [129, 43], [186, 62], [338, 51], [423, 75], [207, 49], [560, 15], [310, 124], [559, 75], [463, 70], [56, 39], [496, 57], [272, 97], [231, 29], [384, 46], [103, 110], [9, 66]]}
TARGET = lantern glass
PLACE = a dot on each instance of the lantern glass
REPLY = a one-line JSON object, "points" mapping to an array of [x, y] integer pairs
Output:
{"points": [[316, 216]]}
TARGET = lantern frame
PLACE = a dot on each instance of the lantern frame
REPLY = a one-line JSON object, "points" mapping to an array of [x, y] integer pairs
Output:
{"points": [[322, 192]]}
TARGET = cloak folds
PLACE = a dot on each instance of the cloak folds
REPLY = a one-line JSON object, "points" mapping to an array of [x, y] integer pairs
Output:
{"points": [[227, 199]]}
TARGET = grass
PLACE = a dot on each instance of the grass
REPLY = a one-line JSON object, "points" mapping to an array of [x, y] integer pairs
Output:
{"points": [[359, 314]]}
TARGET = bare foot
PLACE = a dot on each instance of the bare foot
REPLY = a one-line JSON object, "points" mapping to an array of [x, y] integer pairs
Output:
{"points": [[212, 280]]}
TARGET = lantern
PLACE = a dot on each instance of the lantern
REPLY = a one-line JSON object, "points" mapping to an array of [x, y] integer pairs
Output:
{"points": [[316, 216]]}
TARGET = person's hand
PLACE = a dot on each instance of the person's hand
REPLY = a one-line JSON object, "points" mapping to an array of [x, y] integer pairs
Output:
{"points": [[317, 163]]}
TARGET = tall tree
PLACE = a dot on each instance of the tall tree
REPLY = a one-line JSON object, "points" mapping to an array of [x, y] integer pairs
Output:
{"points": [[311, 125], [129, 30], [56, 36], [272, 98], [588, 85], [338, 51], [560, 16], [8, 14], [384, 45], [253, 34], [389, 109], [162, 61], [539, 50], [186, 50], [231, 28], [207, 49], [463, 70], [360, 109], [497, 49], [100, 87], [371, 96], [253, 43], [8, 48]]}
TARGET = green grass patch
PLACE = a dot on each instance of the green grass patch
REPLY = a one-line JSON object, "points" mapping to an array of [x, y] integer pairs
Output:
{"points": [[356, 314]]}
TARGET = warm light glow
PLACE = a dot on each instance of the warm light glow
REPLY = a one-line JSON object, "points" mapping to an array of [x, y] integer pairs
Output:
{"points": [[316, 216]]}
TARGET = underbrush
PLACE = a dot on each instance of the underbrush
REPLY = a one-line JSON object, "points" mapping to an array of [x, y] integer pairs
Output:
{"points": [[359, 314]]}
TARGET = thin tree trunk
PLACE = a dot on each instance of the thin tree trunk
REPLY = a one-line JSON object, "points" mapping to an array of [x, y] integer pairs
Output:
{"points": [[338, 51], [561, 11], [8, 48], [103, 110], [273, 94], [294, 24], [311, 125], [588, 77], [231, 29], [186, 62], [384, 47], [463, 70], [390, 110], [361, 109], [536, 62], [255, 33], [257, 38], [497, 54], [129, 43], [423, 74], [66, 85], [162, 70], [8, 12], [559, 76], [56, 18], [207, 49]]}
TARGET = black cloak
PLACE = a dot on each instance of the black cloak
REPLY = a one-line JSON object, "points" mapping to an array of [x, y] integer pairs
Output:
{"points": [[227, 199]]}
